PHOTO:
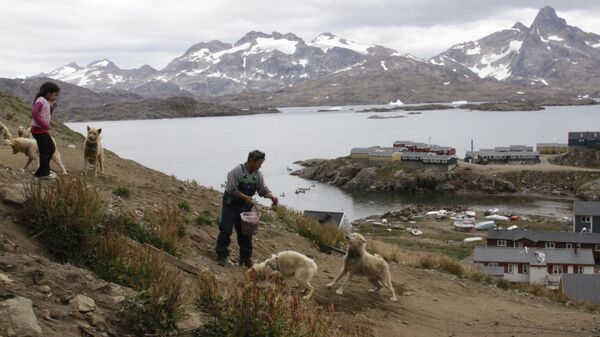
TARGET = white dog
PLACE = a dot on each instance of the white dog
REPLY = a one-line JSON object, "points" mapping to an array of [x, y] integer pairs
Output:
{"points": [[93, 153], [24, 133], [4, 133], [358, 261], [29, 147], [287, 264]]}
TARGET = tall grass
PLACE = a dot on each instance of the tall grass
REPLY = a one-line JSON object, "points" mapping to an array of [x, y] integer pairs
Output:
{"points": [[65, 216], [246, 310], [325, 236]]}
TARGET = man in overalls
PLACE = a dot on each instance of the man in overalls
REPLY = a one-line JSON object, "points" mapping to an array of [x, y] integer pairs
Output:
{"points": [[242, 183]]}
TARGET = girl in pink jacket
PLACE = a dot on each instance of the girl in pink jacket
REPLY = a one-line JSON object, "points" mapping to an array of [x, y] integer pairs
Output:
{"points": [[41, 113]]}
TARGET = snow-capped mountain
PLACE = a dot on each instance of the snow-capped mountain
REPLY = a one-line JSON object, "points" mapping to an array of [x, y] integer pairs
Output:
{"points": [[257, 61], [549, 53]]}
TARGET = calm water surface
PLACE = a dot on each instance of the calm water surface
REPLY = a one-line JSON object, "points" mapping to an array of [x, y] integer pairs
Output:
{"points": [[205, 149]]}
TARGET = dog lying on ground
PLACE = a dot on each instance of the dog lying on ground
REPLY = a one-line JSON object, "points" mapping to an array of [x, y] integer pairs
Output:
{"points": [[29, 147], [93, 153], [287, 264], [4, 133], [358, 261], [24, 133]]}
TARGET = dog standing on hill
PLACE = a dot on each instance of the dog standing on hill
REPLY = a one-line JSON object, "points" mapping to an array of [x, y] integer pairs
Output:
{"points": [[4, 133], [93, 153], [359, 262], [24, 133], [287, 264], [29, 147]]}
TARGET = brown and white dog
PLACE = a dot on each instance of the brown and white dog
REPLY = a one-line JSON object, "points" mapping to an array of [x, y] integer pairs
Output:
{"points": [[29, 147], [287, 264], [359, 262], [93, 153]]}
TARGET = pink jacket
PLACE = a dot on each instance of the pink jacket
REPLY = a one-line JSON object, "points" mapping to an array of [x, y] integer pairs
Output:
{"points": [[41, 115]]}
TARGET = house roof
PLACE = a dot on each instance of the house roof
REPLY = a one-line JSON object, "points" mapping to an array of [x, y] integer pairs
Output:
{"points": [[582, 287], [586, 208], [531, 255], [324, 217], [540, 236], [585, 134]]}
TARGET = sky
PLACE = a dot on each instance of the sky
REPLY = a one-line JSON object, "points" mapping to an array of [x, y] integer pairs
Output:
{"points": [[41, 35]]}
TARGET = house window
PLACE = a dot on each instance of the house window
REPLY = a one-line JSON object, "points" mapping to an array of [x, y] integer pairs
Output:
{"points": [[511, 268], [492, 264], [557, 269], [550, 245], [501, 243], [579, 270], [525, 269], [568, 245], [586, 219], [597, 248]]}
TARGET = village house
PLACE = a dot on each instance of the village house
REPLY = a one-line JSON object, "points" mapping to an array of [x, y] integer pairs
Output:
{"points": [[533, 265], [584, 141], [545, 240], [586, 216], [552, 148], [502, 157], [581, 287]]}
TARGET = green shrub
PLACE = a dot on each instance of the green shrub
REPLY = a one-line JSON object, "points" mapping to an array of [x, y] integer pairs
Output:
{"points": [[184, 206], [122, 192], [205, 218], [65, 217]]}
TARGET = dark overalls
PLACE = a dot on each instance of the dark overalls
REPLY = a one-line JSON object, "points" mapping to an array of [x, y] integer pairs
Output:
{"points": [[230, 218]]}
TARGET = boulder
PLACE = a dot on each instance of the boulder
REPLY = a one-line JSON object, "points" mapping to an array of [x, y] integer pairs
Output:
{"points": [[83, 303], [18, 319], [4, 279], [13, 194], [192, 322]]}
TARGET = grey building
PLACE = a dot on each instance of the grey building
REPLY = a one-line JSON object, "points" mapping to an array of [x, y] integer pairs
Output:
{"points": [[586, 216], [502, 157], [581, 287], [584, 141]]}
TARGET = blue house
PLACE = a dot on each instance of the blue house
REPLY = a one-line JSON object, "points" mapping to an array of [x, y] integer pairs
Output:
{"points": [[586, 216]]}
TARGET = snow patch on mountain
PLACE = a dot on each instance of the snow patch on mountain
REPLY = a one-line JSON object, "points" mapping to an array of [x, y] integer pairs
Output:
{"points": [[266, 45], [327, 41], [383, 66]]}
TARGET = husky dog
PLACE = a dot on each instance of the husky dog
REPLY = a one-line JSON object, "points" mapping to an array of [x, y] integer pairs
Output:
{"points": [[287, 264], [29, 147], [93, 153], [359, 262]]}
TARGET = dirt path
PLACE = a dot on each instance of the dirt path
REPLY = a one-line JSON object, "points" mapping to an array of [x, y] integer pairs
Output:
{"points": [[544, 166]]}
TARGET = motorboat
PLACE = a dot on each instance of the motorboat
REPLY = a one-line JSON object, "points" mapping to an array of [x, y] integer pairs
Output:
{"points": [[473, 239], [416, 232], [464, 225]]}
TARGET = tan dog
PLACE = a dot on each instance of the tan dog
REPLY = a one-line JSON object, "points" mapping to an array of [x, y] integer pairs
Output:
{"points": [[359, 262], [287, 264], [24, 133], [93, 153], [29, 147], [4, 133]]}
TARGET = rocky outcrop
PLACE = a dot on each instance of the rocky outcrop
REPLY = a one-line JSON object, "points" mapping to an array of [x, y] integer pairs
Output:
{"points": [[364, 175]]}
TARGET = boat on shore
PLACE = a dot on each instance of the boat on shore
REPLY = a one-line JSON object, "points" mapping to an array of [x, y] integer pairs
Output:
{"points": [[464, 225], [483, 225], [497, 217], [473, 239]]}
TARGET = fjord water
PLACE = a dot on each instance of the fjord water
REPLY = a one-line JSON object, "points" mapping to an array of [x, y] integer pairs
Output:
{"points": [[205, 149]]}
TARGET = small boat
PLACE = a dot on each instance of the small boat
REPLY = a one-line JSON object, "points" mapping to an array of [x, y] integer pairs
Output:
{"points": [[416, 232], [395, 103], [282, 195], [414, 113], [497, 217], [461, 216], [464, 225], [491, 211], [432, 213], [473, 239], [483, 225], [513, 227], [471, 213], [304, 189], [289, 168], [300, 191]]}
